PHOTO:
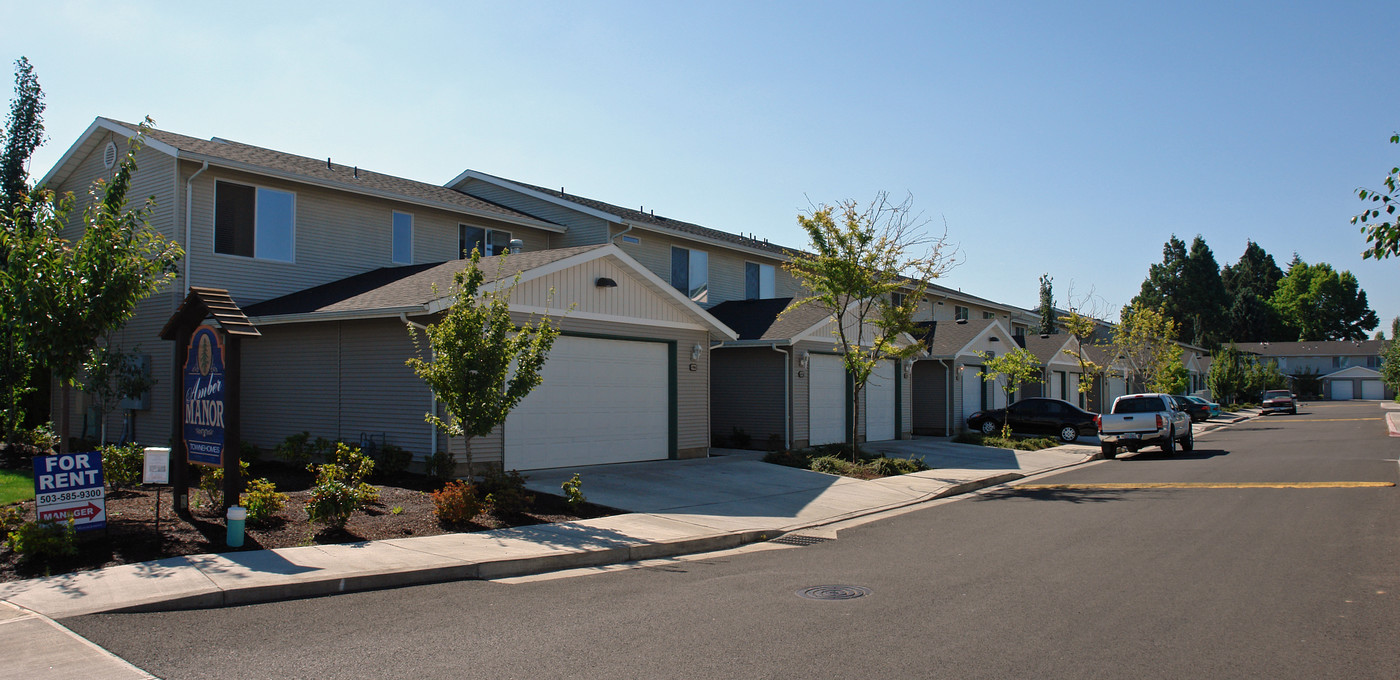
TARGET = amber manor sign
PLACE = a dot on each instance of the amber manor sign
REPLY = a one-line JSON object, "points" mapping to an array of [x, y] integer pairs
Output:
{"points": [[204, 397]]}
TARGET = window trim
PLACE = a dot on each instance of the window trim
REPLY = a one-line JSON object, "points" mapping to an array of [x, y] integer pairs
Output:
{"points": [[393, 216], [961, 313], [690, 260], [214, 222], [486, 232], [760, 266]]}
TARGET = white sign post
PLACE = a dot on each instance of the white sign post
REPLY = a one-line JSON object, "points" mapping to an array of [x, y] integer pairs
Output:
{"points": [[156, 470]]}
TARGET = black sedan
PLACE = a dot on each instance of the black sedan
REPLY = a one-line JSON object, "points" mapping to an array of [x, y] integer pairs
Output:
{"points": [[1199, 412], [1038, 415]]}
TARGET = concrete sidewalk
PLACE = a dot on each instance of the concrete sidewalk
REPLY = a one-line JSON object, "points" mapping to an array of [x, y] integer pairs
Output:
{"points": [[677, 507]]}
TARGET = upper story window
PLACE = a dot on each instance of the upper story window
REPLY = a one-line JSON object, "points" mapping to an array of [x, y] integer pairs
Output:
{"points": [[488, 241], [758, 281], [1018, 331], [1373, 362], [402, 239], [960, 312], [690, 273], [254, 221], [1336, 362], [989, 315], [896, 299]]}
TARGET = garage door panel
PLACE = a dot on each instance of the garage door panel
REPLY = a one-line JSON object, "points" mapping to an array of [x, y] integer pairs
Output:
{"points": [[826, 410], [600, 401], [880, 403], [1372, 389], [1342, 390]]}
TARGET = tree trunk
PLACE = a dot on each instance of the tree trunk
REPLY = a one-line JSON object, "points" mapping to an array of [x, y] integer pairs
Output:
{"points": [[64, 413]]}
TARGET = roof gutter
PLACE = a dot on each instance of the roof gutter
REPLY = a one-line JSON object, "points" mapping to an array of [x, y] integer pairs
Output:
{"points": [[308, 317]]}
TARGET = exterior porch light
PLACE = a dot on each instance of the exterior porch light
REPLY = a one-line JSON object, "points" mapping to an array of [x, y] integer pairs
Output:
{"points": [[695, 352], [803, 359]]}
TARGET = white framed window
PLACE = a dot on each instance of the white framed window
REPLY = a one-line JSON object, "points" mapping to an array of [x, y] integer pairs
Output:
{"points": [[960, 312], [401, 245], [253, 221], [690, 273], [758, 281], [896, 299], [488, 241]]}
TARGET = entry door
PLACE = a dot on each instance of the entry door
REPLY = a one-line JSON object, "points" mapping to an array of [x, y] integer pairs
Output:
{"points": [[826, 404], [1057, 385]]}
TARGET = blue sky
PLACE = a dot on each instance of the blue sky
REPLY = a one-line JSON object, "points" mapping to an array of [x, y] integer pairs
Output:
{"points": [[1065, 138]]}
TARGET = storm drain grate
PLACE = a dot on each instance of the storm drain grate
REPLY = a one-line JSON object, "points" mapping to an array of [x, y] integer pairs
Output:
{"points": [[798, 539], [834, 592]]}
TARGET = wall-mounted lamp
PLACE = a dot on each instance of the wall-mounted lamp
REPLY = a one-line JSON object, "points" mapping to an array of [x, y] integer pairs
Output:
{"points": [[695, 352], [803, 359], [605, 282], [908, 367]]}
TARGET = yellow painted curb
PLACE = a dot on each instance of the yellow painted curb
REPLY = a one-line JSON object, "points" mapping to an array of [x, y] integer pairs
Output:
{"points": [[1207, 485]]}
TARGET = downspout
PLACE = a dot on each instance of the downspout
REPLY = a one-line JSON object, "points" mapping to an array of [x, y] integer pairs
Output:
{"points": [[620, 233], [948, 409], [432, 429], [189, 211]]}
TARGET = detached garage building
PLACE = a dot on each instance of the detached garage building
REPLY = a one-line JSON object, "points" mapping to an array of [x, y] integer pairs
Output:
{"points": [[626, 380], [1356, 382]]}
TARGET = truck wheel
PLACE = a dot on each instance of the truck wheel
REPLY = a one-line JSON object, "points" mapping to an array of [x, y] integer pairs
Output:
{"points": [[1069, 433], [1109, 451], [1189, 443], [988, 427], [1169, 446]]}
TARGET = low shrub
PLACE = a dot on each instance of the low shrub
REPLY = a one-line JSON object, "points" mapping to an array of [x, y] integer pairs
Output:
{"points": [[122, 465], [10, 518], [300, 449], [249, 452], [832, 465], [796, 459], [211, 482], [1014, 442], [890, 467], [262, 501], [573, 492], [390, 461], [44, 541], [340, 489], [456, 503], [441, 466], [505, 492], [740, 438]]}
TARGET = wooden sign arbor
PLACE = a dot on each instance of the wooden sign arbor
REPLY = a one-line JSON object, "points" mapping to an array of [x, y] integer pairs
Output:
{"points": [[208, 329]]}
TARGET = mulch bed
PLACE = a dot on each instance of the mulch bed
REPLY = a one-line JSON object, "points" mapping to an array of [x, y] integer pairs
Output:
{"points": [[405, 509]]}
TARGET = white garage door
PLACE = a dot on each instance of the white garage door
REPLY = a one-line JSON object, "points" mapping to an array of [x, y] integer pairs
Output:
{"points": [[1372, 389], [1342, 390], [601, 401], [826, 405], [971, 394], [1117, 387], [879, 403]]}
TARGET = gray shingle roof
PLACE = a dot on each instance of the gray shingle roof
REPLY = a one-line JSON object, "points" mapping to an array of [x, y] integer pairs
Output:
{"points": [[1044, 349], [317, 170], [1320, 348], [401, 288], [772, 319], [945, 338]]}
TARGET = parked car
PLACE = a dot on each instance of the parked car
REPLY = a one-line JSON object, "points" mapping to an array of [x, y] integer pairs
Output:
{"points": [[1280, 400], [1198, 412], [1140, 420], [1037, 415], [1214, 407]]}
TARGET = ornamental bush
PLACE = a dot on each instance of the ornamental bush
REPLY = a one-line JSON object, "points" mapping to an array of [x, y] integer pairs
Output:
{"points": [[122, 465], [456, 503], [45, 540], [573, 492], [262, 501], [340, 487], [505, 492]]}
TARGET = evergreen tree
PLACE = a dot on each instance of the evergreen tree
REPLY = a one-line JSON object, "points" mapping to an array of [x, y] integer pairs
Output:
{"points": [[1318, 303], [24, 132], [1203, 307], [1047, 307], [1249, 285]]}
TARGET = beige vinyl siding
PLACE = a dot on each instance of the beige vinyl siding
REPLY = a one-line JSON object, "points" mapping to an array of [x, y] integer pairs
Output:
{"points": [[154, 178], [337, 234], [906, 403], [379, 392], [575, 286], [291, 383], [747, 387], [725, 266], [930, 398], [583, 229]]}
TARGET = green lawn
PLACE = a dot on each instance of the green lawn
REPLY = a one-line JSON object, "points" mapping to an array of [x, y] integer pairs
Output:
{"points": [[16, 486]]}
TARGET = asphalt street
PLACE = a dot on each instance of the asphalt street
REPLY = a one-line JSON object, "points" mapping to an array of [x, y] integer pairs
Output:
{"points": [[1141, 579]]}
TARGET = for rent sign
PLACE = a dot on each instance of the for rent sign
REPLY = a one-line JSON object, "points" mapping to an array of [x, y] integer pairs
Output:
{"points": [[204, 397], [70, 485]]}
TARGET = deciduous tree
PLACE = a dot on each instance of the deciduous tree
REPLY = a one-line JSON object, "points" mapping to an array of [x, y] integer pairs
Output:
{"points": [[1317, 303], [860, 256], [1017, 366], [1144, 338], [1378, 221], [479, 362]]}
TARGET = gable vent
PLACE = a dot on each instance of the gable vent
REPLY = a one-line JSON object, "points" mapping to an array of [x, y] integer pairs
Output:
{"points": [[109, 155]]}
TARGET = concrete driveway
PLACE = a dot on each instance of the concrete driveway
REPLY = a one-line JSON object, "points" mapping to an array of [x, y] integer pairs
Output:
{"points": [[735, 490]]}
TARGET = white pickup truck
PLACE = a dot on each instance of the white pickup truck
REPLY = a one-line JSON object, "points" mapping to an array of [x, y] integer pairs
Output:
{"points": [[1140, 420]]}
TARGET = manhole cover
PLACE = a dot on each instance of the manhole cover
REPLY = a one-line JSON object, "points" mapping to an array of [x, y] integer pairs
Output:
{"points": [[796, 539], [833, 592]]}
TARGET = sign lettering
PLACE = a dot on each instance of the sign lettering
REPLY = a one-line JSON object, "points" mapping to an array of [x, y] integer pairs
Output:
{"points": [[203, 411], [71, 485]]}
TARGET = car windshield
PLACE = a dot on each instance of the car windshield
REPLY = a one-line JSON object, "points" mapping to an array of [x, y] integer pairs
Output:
{"points": [[1277, 394], [1138, 405]]}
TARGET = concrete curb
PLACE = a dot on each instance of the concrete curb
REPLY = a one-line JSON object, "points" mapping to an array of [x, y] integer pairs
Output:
{"points": [[1392, 423]]}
